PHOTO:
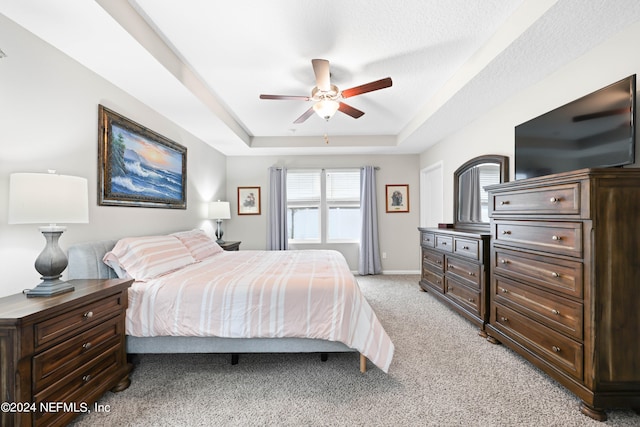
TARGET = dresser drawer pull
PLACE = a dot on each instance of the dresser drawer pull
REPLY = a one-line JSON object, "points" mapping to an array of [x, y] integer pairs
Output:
{"points": [[504, 202], [555, 199], [88, 315], [451, 266], [556, 238], [444, 243], [471, 273], [504, 291], [504, 319], [466, 248], [554, 274], [439, 282], [504, 261], [438, 262], [472, 300], [86, 378], [506, 232], [556, 349], [86, 346], [556, 312]]}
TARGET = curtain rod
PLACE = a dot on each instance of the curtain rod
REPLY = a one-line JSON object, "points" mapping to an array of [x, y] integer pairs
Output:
{"points": [[344, 167]]}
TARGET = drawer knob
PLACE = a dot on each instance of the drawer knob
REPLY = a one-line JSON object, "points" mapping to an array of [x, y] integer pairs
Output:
{"points": [[504, 202], [444, 243], [504, 261], [504, 291], [88, 315], [471, 273], [439, 282], [554, 199], [556, 348], [450, 266], [86, 378], [556, 238], [506, 232], [438, 262], [471, 300], [504, 319], [554, 274], [86, 346], [466, 248], [556, 312]]}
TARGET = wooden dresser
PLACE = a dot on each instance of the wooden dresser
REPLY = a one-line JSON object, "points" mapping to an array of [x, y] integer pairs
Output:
{"points": [[454, 270], [58, 355], [565, 280]]}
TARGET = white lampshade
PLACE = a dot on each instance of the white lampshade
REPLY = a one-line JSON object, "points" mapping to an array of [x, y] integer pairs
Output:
{"points": [[326, 108], [47, 198], [219, 210]]}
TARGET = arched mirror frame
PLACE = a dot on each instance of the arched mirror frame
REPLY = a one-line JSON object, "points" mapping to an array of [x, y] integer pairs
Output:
{"points": [[502, 161]]}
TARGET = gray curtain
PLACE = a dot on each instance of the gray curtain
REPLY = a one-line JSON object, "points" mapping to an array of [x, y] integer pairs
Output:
{"points": [[471, 205], [369, 262], [277, 238]]}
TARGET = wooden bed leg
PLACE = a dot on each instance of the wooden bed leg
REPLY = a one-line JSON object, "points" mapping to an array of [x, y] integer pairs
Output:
{"points": [[234, 358], [363, 363]]}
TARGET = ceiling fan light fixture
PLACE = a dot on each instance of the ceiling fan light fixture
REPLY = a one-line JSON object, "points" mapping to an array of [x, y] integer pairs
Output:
{"points": [[326, 108]]}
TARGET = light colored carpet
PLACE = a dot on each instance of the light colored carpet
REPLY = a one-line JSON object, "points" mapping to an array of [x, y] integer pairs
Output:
{"points": [[443, 374]]}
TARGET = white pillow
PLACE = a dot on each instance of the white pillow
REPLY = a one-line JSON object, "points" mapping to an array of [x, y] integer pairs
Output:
{"points": [[199, 243], [144, 258]]}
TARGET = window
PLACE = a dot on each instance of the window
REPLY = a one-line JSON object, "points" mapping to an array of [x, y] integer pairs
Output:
{"points": [[323, 205]]}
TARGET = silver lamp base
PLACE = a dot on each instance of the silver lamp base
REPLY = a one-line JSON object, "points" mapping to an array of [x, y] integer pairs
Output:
{"points": [[49, 288]]}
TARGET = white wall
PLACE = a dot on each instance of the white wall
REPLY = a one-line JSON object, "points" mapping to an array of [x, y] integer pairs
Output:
{"points": [[493, 133], [49, 120], [398, 232]]}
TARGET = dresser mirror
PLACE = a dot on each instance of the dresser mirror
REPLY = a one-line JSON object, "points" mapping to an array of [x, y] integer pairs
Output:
{"points": [[471, 203]]}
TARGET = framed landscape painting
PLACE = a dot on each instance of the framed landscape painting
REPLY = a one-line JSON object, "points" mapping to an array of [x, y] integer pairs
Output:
{"points": [[138, 167]]}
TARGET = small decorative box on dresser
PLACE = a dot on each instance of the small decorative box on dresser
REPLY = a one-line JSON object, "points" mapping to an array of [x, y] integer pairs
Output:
{"points": [[58, 355], [565, 280], [454, 270]]}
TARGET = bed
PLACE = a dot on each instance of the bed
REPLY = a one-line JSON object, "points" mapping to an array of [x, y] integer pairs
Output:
{"points": [[235, 302]]}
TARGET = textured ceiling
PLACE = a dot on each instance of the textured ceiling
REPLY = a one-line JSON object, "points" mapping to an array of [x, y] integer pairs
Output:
{"points": [[203, 64]]}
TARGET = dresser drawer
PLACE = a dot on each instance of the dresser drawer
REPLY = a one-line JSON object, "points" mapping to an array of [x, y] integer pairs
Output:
{"points": [[563, 238], [466, 271], [77, 386], [444, 243], [463, 295], [557, 349], [433, 259], [75, 320], [553, 200], [551, 273], [467, 248], [428, 239], [56, 362], [434, 280], [559, 313]]}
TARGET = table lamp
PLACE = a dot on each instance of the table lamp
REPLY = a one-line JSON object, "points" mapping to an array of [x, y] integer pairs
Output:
{"points": [[219, 211], [48, 198]]}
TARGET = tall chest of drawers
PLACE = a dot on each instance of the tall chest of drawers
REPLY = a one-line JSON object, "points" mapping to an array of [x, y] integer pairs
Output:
{"points": [[58, 355], [454, 270], [565, 280]]}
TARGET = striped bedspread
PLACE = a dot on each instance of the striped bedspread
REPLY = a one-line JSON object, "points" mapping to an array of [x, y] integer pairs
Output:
{"points": [[247, 294]]}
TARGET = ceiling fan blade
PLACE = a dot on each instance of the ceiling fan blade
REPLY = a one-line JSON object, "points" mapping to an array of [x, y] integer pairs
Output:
{"points": [[287, 97], [305, 116], [350, 111], [323, 75], [368, 87]]}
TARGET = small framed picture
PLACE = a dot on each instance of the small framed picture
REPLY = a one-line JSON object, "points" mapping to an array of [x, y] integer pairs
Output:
{"points": [[248, 200], [397, 197]]}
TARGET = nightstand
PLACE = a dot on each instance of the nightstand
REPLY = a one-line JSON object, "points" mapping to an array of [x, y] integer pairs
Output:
{"points": [[230, 246], [67, 349]]}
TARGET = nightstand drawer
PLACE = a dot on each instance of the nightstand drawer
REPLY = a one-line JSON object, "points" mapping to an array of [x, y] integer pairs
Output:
{"points": [[75, 320], [52, 364]]}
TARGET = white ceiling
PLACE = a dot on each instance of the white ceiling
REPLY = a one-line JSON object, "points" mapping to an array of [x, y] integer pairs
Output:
{"points": [[203, 63]]}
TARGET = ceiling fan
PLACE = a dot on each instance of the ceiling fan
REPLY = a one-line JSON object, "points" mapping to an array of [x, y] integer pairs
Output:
{"points": [[328, 98]]}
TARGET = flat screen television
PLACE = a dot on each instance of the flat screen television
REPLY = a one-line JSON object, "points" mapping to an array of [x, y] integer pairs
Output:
{"points": [[597, 130]]}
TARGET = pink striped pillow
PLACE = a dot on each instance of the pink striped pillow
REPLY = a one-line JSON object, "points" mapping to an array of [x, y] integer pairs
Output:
{"points": [[199, 243], [144, 258]]}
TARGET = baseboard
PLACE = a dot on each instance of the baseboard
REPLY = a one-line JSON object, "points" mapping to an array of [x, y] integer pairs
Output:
{"points": [[394, 272]]}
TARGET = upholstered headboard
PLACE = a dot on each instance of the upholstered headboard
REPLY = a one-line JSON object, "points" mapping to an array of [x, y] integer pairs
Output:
{"points": [[85, 260]]}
